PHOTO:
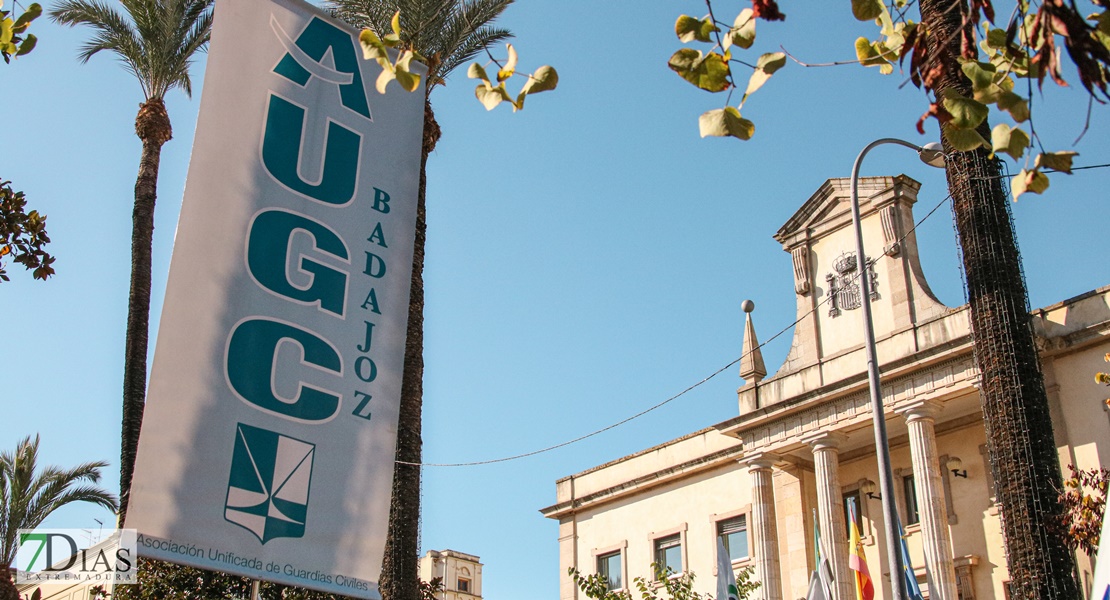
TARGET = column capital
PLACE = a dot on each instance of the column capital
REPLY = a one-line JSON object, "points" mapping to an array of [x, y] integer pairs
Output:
{"points": [[824, 440], [920, 410], [760, 461]]}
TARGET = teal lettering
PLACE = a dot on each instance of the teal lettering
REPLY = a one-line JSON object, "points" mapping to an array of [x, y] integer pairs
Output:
{"points": [[250, 362], [315, 41], [281, 154], [369, 338], [267, 257], [375, 266], [363, 408], [372, 302], [381, 201], [361, 367], [378, 237]]}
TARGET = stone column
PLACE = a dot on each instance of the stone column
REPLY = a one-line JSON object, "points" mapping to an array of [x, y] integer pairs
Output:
{"points": [[764, 530], [927, 473], [830, 511]]}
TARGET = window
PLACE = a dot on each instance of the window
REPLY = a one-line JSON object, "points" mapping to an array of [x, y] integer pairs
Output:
{"points": [[668, 553], [734, 533], [609, 567], [909, 495], [852, 499], [464, 585]]}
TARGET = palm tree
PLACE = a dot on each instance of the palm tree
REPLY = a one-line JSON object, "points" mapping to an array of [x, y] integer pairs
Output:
{"points": [[448, 33], [156, 40], [27, 497]]}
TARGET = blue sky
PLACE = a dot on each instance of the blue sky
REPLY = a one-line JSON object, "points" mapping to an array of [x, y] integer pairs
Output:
{"points": [[586, 257]]}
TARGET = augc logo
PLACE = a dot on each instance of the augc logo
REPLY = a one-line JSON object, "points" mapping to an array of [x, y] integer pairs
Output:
{"points": [[270, 476], [268, 487]]}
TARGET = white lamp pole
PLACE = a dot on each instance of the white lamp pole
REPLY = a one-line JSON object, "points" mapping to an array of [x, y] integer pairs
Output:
{"points": [[931, 155]]}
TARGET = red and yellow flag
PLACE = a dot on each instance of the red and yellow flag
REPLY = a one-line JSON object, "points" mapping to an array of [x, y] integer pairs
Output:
{"points": [[856, 562]]}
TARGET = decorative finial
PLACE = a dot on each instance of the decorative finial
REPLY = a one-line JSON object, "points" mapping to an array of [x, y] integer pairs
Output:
{"points": [[751, 363]]}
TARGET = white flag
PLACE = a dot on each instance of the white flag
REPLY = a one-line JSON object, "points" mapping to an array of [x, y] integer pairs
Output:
{"points": [[726, 581], [816, 588], [1101, 588]]}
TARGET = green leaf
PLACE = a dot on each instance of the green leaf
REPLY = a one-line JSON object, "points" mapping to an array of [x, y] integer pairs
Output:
{"points": [[871, 55], [409, 81], [963, 140], [477, 72], [1057, 161], [1104, 22], [544, 79], [981, 75], [771, 62], [28, 44], [1028, 181], [33, 12], [1012, 141], [867, 10], [510, 65], [995, 38], [490, 97], [966, 113], [709, 72], [6, 32], [742, 32], [725, 122], [1015, 105], [395, 23], [689, 29], [372, 46], [384, 78], [767, 65]]}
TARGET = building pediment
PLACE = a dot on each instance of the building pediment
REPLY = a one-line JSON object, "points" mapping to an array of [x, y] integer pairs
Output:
{"points": [[828, 338]]}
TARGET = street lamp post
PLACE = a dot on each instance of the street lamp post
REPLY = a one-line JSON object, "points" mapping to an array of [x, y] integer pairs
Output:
{"points": [[931, 155]]}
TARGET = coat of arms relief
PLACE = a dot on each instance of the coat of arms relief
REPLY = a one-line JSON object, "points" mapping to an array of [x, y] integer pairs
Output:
{"points": [[844, 287]]}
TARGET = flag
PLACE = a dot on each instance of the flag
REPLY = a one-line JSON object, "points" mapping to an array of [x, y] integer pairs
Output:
{"points": [[1101, 588], [912, 589], [726, 580], [817, 588], [856, 562], [824, 570]]}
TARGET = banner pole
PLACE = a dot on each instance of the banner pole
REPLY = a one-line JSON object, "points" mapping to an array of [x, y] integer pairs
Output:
{"points": [[254, 590]]}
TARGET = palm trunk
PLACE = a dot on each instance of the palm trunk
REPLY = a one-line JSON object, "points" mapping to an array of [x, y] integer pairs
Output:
{"points": [[1018, 426], [152, 125], [399, 577], [8, 590]]}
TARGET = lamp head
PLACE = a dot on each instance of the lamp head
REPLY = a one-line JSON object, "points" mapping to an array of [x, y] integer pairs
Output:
{"points": [[932, 154]]}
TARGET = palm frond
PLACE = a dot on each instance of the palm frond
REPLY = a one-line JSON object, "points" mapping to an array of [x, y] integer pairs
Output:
{"points": [[28, 495], [447, 32], [156, 40], [470, 47]]}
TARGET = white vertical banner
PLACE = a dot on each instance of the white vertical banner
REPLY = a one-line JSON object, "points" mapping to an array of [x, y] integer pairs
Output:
{"points": [[269, 435]]}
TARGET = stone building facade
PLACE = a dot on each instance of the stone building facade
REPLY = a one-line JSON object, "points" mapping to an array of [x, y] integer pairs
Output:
{"points": [[460, 573], [802, 443]]}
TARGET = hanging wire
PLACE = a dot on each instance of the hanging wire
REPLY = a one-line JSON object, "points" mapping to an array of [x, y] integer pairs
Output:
{"points": [[1005, 177], [813, 310]]}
